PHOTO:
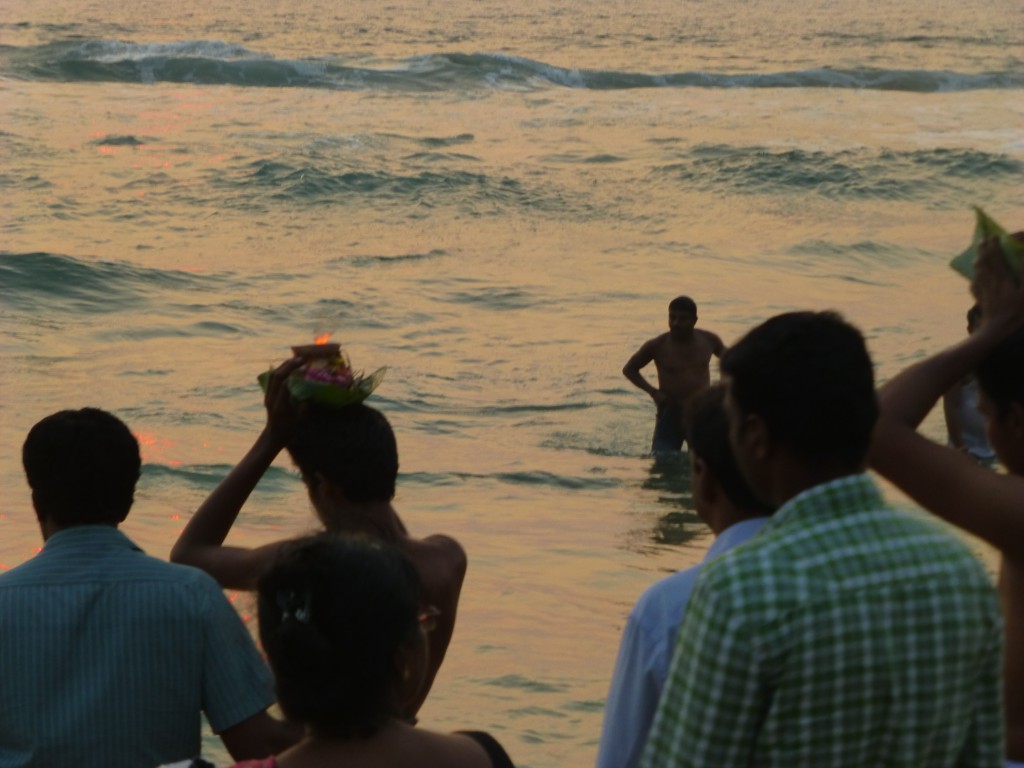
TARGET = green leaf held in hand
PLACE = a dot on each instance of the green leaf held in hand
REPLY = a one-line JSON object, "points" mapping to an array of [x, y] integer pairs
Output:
{"points": [[984, 228]]}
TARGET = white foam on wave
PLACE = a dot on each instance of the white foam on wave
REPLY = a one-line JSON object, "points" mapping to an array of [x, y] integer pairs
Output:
{"points": [[113, 51]]}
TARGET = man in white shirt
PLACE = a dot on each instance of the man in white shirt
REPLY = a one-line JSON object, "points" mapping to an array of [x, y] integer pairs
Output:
{"points": [[724, 502]]}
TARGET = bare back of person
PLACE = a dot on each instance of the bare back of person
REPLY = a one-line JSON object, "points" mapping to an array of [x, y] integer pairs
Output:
{"points": [[395, 744]]}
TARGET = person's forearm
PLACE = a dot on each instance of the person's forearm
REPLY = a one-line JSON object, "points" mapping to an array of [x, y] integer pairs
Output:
{"points": [[638, 380], [909, 396], [259, 736], [211, 523], [954, 427]]}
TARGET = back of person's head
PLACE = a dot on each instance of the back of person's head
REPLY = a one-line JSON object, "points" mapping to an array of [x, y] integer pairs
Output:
{"points": [[334, 612], [1001, 375], [708, 436], [809, 377], [353, 447], [82, 467], [682, 304]]}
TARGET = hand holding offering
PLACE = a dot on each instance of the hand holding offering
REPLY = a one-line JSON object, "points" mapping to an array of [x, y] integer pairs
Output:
{"points": [[326, 377]]}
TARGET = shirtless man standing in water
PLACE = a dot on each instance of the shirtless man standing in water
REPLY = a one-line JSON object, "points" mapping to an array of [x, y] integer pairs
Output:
{"points": [[682, 358]]}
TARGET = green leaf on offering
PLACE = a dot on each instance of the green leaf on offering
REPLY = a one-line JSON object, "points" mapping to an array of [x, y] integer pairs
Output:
{"points": [[986, 227], [302, 389]]}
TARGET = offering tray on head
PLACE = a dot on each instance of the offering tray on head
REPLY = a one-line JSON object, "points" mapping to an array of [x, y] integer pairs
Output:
{"points": [[326, 377]]}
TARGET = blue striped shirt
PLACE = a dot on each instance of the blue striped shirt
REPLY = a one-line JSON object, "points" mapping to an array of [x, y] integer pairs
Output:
{"points": [[108, 656]]}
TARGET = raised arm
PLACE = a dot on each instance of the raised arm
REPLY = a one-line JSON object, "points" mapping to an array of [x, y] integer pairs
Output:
{"points": [[951, 409], [259, 736], [948, 482], [201, 543]]}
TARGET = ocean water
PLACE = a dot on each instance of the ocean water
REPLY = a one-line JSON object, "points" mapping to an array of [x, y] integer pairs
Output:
{"points": [[496, 200]]}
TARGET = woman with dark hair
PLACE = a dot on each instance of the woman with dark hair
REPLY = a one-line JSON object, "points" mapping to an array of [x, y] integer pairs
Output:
{"points": [[341, 621]]}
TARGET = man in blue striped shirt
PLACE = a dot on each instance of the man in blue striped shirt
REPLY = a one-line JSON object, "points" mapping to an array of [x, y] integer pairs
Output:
{"points": [[108, 656]]}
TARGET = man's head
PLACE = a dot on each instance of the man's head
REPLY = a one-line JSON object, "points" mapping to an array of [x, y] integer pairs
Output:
{"points": [[352, 447], [712, 460], [82, 467], [1001, 381], [682, 316], [802, 382]]}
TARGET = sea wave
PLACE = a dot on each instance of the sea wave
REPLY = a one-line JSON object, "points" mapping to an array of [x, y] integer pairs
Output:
{"points": [[300, 181], [64, 283], [939, 174], [276, 480], [220, 63]]}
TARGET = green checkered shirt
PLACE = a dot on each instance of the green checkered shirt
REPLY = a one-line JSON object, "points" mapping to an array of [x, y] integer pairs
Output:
{"points": [[844, 634]]}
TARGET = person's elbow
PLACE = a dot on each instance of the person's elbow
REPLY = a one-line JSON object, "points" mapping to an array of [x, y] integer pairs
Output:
{"points": [[260, 736], [182, 553], [460, 563]]}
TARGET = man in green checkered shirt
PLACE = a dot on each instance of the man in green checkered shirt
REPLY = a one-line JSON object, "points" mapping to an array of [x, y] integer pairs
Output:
{"points": [[845, 633]]}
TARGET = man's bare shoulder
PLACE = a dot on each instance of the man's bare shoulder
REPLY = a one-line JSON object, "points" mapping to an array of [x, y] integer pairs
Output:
{"points": [[657, 343], [443, 554], [713, 340]]}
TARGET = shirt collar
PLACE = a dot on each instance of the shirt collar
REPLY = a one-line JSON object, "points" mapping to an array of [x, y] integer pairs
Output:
{"points": [[88, 536], [735, 534], [835, 498]]}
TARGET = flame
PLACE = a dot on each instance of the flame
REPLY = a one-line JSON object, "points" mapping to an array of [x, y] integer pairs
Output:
{"points": [[323, 338]]}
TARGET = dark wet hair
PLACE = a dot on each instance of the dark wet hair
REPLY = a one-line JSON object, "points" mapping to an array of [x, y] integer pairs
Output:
{"points": [[682, 304], [334, 612], [82, 467], [354, 447], [708, 436], [808, 375], [1001, 375]]}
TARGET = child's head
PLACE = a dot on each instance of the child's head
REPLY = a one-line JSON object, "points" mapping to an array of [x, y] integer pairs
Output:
{"points": [[335, 615]]}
